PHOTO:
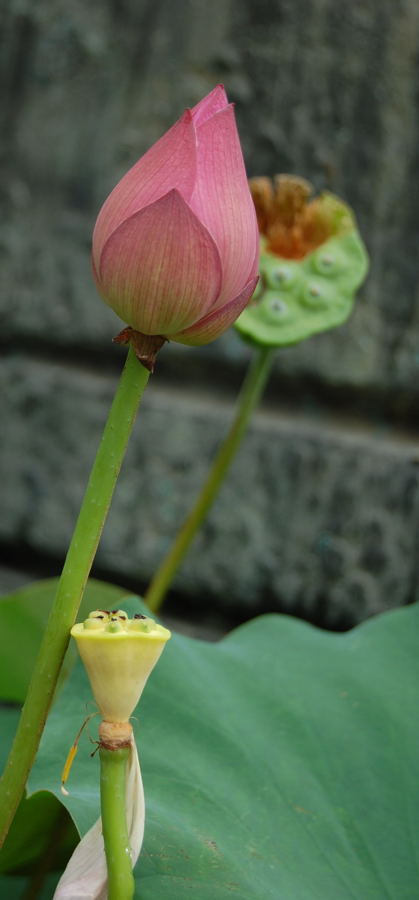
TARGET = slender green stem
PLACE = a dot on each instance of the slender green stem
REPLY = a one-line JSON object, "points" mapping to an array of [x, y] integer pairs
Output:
{"points": [[114, 823], [251, 391], [75, 573]]}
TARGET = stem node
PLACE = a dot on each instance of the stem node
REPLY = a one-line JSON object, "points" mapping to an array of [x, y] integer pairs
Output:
{"points": [[114, 735]]}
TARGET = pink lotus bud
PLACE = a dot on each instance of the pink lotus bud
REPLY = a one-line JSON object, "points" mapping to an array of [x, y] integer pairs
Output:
{"points": [[176, 243]]}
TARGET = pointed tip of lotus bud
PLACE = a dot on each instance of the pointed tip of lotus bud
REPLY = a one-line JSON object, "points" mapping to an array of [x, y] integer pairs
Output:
{"points": [[119, 653]]}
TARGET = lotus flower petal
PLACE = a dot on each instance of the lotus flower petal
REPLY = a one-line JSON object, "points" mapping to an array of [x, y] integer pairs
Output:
{"points": [[214, 324], [85, 877], [209, 105], [222, 201], [170, 164], [177, 239], [144, 258]]}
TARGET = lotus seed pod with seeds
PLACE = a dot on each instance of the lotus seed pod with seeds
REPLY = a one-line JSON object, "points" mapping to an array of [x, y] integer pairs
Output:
{"points": [[312, 262], [118, 653]]}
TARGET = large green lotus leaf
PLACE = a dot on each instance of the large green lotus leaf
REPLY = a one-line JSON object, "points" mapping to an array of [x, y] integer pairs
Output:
{"points": [[19, 887], [279, 763], [298, 298], [23, 615], [41, 826]]}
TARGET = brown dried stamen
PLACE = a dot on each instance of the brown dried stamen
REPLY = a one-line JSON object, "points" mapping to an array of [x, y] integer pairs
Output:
{"points": [[293, 224]]}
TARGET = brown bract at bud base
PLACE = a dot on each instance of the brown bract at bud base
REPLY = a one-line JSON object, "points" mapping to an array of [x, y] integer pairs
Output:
{"points": [[145, 346]]}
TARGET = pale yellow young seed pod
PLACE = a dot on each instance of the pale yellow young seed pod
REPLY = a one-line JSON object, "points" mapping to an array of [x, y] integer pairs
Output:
{"points": [[118, 654]]}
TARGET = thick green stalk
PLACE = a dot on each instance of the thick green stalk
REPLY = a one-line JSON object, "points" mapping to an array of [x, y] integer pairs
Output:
{"points": [[113, 765], [251, 391], [75, 573]]}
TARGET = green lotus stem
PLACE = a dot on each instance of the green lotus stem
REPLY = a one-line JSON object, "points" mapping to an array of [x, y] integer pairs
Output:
{"points": [[71, 586], [251, 391], [114, 823]]}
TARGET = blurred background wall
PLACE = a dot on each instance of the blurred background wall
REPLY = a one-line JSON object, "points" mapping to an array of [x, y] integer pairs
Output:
{"points": [[319, 514]]}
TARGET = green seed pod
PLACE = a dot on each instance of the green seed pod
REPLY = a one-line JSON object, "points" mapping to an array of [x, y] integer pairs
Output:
{"points": [[119, 653], [312, 262]]}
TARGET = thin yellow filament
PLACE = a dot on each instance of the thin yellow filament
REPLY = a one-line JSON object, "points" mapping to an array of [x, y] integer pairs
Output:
{"points": [[71, 754]]}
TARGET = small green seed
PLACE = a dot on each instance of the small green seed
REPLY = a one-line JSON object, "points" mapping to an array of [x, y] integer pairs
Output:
{"points": [[93, 624], [278, 306], [113, 627], [280, 275], [143, 625], [314, 291]]}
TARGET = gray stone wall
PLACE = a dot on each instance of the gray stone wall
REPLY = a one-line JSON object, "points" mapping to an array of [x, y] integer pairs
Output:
{"points": [[319, 515]]}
